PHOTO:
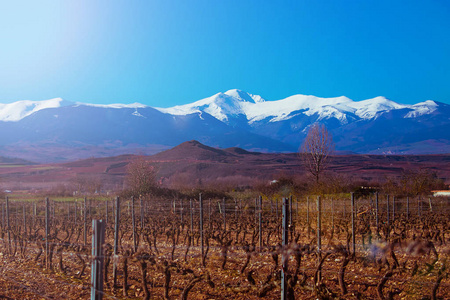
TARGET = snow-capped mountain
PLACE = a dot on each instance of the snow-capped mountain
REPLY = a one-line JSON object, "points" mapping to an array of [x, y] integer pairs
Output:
{"points": [[232, 103], [233, 118], [18, 110]]}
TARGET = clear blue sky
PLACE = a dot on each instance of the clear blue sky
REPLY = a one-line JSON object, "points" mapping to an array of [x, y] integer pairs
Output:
{"points": [[164, 52]]}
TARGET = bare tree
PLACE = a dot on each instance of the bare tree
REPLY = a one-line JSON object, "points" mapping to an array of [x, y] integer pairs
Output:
{"points": [[87, 183], [317, 147], [141, 176], [421, 181]]}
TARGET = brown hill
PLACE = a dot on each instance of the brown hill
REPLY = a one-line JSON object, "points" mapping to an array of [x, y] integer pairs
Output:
{"points": [[15, 161], [193, 163], [192, 150]]}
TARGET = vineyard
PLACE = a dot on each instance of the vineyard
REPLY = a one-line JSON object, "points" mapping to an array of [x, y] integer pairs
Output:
{"points": [[377, 247]]}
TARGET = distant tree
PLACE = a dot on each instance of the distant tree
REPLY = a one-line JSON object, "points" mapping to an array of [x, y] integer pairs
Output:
{"points": [[85, 184], [422, 181], [141, 177], [315, 150]]}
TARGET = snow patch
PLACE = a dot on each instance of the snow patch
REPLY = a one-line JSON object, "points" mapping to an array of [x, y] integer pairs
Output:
{"points": [[422, 108], [16, 111], [137, 114], [115, 105]]}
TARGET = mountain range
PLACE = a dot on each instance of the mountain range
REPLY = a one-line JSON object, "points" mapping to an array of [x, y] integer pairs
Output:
{"points": [[58, 130]]}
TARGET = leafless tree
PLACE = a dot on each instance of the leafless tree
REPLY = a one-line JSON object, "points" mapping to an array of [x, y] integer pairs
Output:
{"points": [[141, 176], [421, 181], [86, 183], [317, 147]]}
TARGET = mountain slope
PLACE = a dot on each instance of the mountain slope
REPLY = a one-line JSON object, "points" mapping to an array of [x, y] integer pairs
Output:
{"points": [[235, 103], [21, 109], [55, 130], [126, 128]]}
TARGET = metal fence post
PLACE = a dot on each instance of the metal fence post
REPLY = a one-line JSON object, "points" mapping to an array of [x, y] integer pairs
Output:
{"points": [[84, 223], [376, 210], [332, 216], [7, 226], [307, 215], [260, 223], [192, 216], [47, 231], [407, 208], [133, 222], [319, 234], [418, 207], [34, 212], [98, 238], [285, 242], [116, 240], [353, 224], [24, 219], [141, 208], [201, 228], [224, 215], [388, 210]]}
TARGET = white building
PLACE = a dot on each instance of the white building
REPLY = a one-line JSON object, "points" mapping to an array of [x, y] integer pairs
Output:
{"points": [[441, 193]]}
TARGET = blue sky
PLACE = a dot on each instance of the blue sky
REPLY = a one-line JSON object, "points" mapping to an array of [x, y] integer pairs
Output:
{"points": [[163, 53]]}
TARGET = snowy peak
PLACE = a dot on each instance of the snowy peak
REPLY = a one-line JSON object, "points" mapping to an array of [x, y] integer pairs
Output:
{"points": [[244, 96], [367, 109], [237, 103], [13, 112], [222, 106], [115, 105], [422, 108], [300, 104], [16, 111], [230, 119]]}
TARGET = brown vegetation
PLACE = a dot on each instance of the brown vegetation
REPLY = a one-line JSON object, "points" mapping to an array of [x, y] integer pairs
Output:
{"points": [[406, 259], [316, 149], [192, 166]]}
